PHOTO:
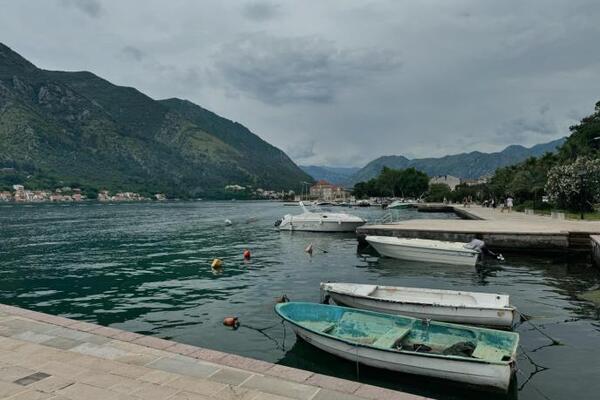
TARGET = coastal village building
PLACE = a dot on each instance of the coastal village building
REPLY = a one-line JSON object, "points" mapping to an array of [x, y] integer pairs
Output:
{"points": [[324, 190], [235, 188], [451, 181], [475, 182]]}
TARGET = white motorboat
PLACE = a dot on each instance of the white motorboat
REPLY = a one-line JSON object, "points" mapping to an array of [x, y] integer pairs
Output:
{"points": [[475, 308], [319, 221], [399, 204], [465, 354], [435, 251]]}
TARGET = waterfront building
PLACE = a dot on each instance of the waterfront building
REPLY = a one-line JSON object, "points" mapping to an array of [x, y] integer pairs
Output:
{"points": [[103, 195], [235, 188], [326, 191], [6, 196], [451, 181], [475, 182]]}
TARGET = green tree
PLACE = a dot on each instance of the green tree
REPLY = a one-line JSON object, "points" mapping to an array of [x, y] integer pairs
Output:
{"points": [[394, 182], [438, 192]]}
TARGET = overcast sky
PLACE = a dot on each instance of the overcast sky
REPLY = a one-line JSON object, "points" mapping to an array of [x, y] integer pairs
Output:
{"points": [[339, 82]]}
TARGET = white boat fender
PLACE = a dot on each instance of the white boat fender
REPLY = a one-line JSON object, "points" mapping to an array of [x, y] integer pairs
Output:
{"points": [[309, 249]]}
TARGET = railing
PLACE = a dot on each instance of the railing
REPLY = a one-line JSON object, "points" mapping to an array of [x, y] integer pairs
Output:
{"points": [[387, 218]]}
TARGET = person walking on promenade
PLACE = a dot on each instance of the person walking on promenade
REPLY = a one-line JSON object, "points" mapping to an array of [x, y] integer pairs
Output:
{"points": [[509, 203]]}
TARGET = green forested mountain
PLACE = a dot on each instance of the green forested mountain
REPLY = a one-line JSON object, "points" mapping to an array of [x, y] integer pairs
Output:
{"points": [[569, 177], [75, 128], [335, 175], [466, 165]]}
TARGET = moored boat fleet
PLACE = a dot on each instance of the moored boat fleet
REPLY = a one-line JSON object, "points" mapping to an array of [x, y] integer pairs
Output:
{"points": [[459, 336]]}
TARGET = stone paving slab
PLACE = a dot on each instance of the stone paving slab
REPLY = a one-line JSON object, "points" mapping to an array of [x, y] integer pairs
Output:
{"points": [[48, 357]]}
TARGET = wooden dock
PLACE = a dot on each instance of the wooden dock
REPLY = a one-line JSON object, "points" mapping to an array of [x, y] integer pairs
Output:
{"points": [[503, 231]]}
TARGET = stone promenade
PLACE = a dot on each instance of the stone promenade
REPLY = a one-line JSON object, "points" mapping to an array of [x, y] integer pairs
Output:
{"points": [[500, 230], [49, 357]]}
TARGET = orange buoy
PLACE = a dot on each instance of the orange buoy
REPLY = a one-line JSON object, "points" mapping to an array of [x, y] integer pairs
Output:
{"points": [[231, 322], [247, 254], [216, 264]]}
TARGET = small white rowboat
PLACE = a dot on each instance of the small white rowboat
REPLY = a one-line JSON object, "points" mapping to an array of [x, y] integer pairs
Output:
{"points": [[474, 308], [435, 251], [466, 354]]}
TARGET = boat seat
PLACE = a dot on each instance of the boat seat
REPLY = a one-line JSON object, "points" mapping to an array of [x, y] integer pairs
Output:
{"points": [[488, 353], [319, 326], [391, 337]]}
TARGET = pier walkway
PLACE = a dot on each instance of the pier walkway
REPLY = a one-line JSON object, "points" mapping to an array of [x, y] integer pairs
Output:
{"points": [[515, 231], [49, 357]]}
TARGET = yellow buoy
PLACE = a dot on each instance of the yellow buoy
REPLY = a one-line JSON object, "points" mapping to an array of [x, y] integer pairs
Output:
{"points": [[217, 263]]}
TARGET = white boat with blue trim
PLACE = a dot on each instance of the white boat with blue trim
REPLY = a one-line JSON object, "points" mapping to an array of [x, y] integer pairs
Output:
{"points": [[477, 356]]}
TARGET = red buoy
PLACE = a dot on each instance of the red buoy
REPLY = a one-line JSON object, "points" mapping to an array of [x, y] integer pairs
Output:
{"points": [[231, 321]]}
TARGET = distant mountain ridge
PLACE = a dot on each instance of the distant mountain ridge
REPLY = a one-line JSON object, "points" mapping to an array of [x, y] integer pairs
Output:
{"points": [[471, 165], [335, 175], [77, 128]]}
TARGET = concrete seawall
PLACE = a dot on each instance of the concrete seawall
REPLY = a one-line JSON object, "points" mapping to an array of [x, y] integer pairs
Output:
{"points": [[595, 239], [513, 231], [49, 357]]}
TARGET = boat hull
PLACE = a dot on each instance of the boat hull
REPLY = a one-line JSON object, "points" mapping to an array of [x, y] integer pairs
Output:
{"points": [[481, 374], [440, 256], [495, 318], [320, 226]]}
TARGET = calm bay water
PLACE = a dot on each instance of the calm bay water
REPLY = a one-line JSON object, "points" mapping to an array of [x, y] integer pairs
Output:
{"points": [[146, 268]]}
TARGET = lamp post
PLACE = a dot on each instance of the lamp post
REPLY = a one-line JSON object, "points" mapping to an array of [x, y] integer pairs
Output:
{"points": [[581, 174]]}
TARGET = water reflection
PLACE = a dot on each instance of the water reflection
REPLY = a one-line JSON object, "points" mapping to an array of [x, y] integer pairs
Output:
{"points": [[146, 268]]}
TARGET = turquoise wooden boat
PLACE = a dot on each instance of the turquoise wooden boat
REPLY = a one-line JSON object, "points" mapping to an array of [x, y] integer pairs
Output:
{"points": [[478, 356]]}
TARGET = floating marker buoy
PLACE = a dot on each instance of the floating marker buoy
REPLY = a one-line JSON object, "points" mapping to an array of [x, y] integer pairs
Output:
{"points": [[282, 299], [216, 264], [309, 249], [232, 322], [247, 254]]}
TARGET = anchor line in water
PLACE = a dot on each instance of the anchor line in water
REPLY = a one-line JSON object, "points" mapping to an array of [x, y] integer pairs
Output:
{"points": [[284, 334], [533, 386], [524, 318], [357, 367], [262, 332], [537, 369]]}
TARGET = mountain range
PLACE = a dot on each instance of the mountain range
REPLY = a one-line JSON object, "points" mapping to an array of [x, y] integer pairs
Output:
{"points": [[471, 165], [76, 128], [336, 175]]}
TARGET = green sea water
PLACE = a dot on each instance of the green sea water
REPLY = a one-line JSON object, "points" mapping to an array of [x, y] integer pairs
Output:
{"points": [[146, 268]]}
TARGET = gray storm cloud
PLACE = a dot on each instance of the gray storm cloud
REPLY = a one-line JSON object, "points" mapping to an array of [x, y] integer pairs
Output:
{"points": [[339, 82], [287, 70]]}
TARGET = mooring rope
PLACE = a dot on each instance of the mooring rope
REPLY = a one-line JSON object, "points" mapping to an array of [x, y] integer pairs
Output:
{"points": [[271, 338], [538, 390], [526, 319], [537, 369], [357, 368]]}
